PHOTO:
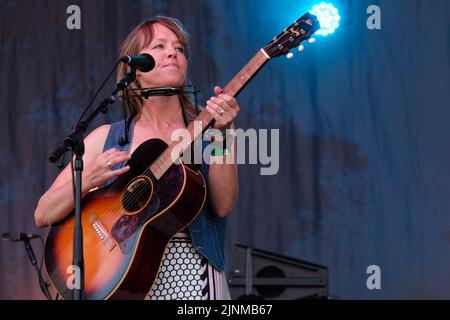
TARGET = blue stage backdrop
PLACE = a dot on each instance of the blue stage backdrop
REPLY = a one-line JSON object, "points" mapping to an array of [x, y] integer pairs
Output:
{"points": [[363, 118]]}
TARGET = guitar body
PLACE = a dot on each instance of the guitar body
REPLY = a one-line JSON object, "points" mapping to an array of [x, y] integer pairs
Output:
{"points": [[126, 228]]}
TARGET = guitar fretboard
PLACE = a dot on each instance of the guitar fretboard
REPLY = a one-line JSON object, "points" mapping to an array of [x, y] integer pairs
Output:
{"points": [[204, 119]]}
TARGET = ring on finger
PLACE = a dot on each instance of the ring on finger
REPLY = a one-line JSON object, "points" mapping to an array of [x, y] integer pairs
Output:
{"points": [[221, 112], [109, 164]]}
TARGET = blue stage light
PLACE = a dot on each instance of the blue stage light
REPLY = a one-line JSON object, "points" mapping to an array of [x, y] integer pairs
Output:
{"points": [[328, 17]]}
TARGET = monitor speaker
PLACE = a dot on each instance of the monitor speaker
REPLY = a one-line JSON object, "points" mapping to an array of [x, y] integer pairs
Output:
{"points": [[258, 274]]}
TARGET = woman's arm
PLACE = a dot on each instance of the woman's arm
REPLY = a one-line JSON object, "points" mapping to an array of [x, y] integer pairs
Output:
{"points": [[57, 202], [223, 178]]}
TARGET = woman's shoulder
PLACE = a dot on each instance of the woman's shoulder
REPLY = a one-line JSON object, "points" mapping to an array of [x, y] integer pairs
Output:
{"points": [[100, 132], [97, 138]]}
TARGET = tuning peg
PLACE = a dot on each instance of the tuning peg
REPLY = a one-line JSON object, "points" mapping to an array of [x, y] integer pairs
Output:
{"points": [[301, 48], [312, 40], [290, 55]]}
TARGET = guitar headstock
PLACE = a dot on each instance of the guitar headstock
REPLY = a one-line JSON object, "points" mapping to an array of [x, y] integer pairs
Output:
{"points": [[291, 37]]}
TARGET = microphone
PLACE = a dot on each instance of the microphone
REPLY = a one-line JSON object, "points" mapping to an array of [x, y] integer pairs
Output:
{"points": [[143, 62], [19, 236]]}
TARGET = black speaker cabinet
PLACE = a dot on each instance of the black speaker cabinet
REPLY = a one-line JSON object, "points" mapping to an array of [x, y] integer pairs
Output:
{"points": [[258, 274]]}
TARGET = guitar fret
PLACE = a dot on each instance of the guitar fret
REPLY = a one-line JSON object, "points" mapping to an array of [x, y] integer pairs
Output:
{"points": [[233, 88], [243, 77]]}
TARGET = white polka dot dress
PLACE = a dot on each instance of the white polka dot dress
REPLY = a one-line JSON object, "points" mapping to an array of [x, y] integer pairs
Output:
{"points": [[186, 275]]}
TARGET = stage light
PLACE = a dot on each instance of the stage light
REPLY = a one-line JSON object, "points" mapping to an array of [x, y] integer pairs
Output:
{"points": [[328, 17]]}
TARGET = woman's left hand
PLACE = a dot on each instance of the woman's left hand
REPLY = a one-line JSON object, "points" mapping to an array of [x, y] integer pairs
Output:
{"points": [[223, 108]]}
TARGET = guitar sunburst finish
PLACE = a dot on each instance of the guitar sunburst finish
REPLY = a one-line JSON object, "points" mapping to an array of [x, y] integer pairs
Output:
{"points": [[123, 249]]}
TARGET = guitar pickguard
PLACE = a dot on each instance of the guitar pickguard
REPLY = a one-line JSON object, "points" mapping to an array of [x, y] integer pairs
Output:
{"points": [[126, 230]]}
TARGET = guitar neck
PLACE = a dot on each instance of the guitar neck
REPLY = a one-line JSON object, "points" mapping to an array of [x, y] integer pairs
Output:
{"points": [[204, 119]]}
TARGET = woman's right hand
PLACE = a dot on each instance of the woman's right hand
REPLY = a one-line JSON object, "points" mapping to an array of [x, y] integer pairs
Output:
{"points": [[57, 202], [99, 171]]}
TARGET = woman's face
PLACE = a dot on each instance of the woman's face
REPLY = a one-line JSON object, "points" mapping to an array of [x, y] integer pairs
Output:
{"points": [[171, 64]]}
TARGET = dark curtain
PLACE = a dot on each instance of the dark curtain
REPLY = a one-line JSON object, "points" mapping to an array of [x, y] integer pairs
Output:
{"points": [[363, 118]]}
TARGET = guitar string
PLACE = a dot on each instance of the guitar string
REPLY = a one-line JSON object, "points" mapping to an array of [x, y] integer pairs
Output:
{"points": [[162, 159], [235, 85], [136, 195], [238, 82], [127, 200], [109, 218], [151, 172]]}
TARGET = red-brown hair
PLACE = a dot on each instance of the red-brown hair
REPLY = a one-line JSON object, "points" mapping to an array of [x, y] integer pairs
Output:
{"points": [[140, 38]]}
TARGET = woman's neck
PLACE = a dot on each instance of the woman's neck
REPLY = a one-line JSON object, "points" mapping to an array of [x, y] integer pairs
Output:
{"points": [[161, 112]]}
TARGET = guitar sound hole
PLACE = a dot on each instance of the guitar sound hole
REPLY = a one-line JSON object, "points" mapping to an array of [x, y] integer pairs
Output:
{"points": [[137, 194]]}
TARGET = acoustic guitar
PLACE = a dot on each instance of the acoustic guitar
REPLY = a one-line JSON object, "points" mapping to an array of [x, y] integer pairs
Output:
{"points": [[128, 224]]}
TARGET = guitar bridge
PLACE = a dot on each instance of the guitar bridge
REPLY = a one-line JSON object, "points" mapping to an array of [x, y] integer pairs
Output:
{"points": [[100, 230]]}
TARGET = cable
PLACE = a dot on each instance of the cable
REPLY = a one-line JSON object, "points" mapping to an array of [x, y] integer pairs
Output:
{"points": [[96, 94]]}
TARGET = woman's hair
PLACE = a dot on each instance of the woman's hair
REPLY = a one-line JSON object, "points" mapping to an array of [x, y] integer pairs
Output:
{"points": [[140, 38]]}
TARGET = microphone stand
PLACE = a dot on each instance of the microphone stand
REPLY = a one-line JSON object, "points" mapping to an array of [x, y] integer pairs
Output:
{"points": [[74, 143], [42, 283]]}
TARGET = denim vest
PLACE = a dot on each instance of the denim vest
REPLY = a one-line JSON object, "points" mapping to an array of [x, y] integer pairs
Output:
{"points": [[207, 230]]}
